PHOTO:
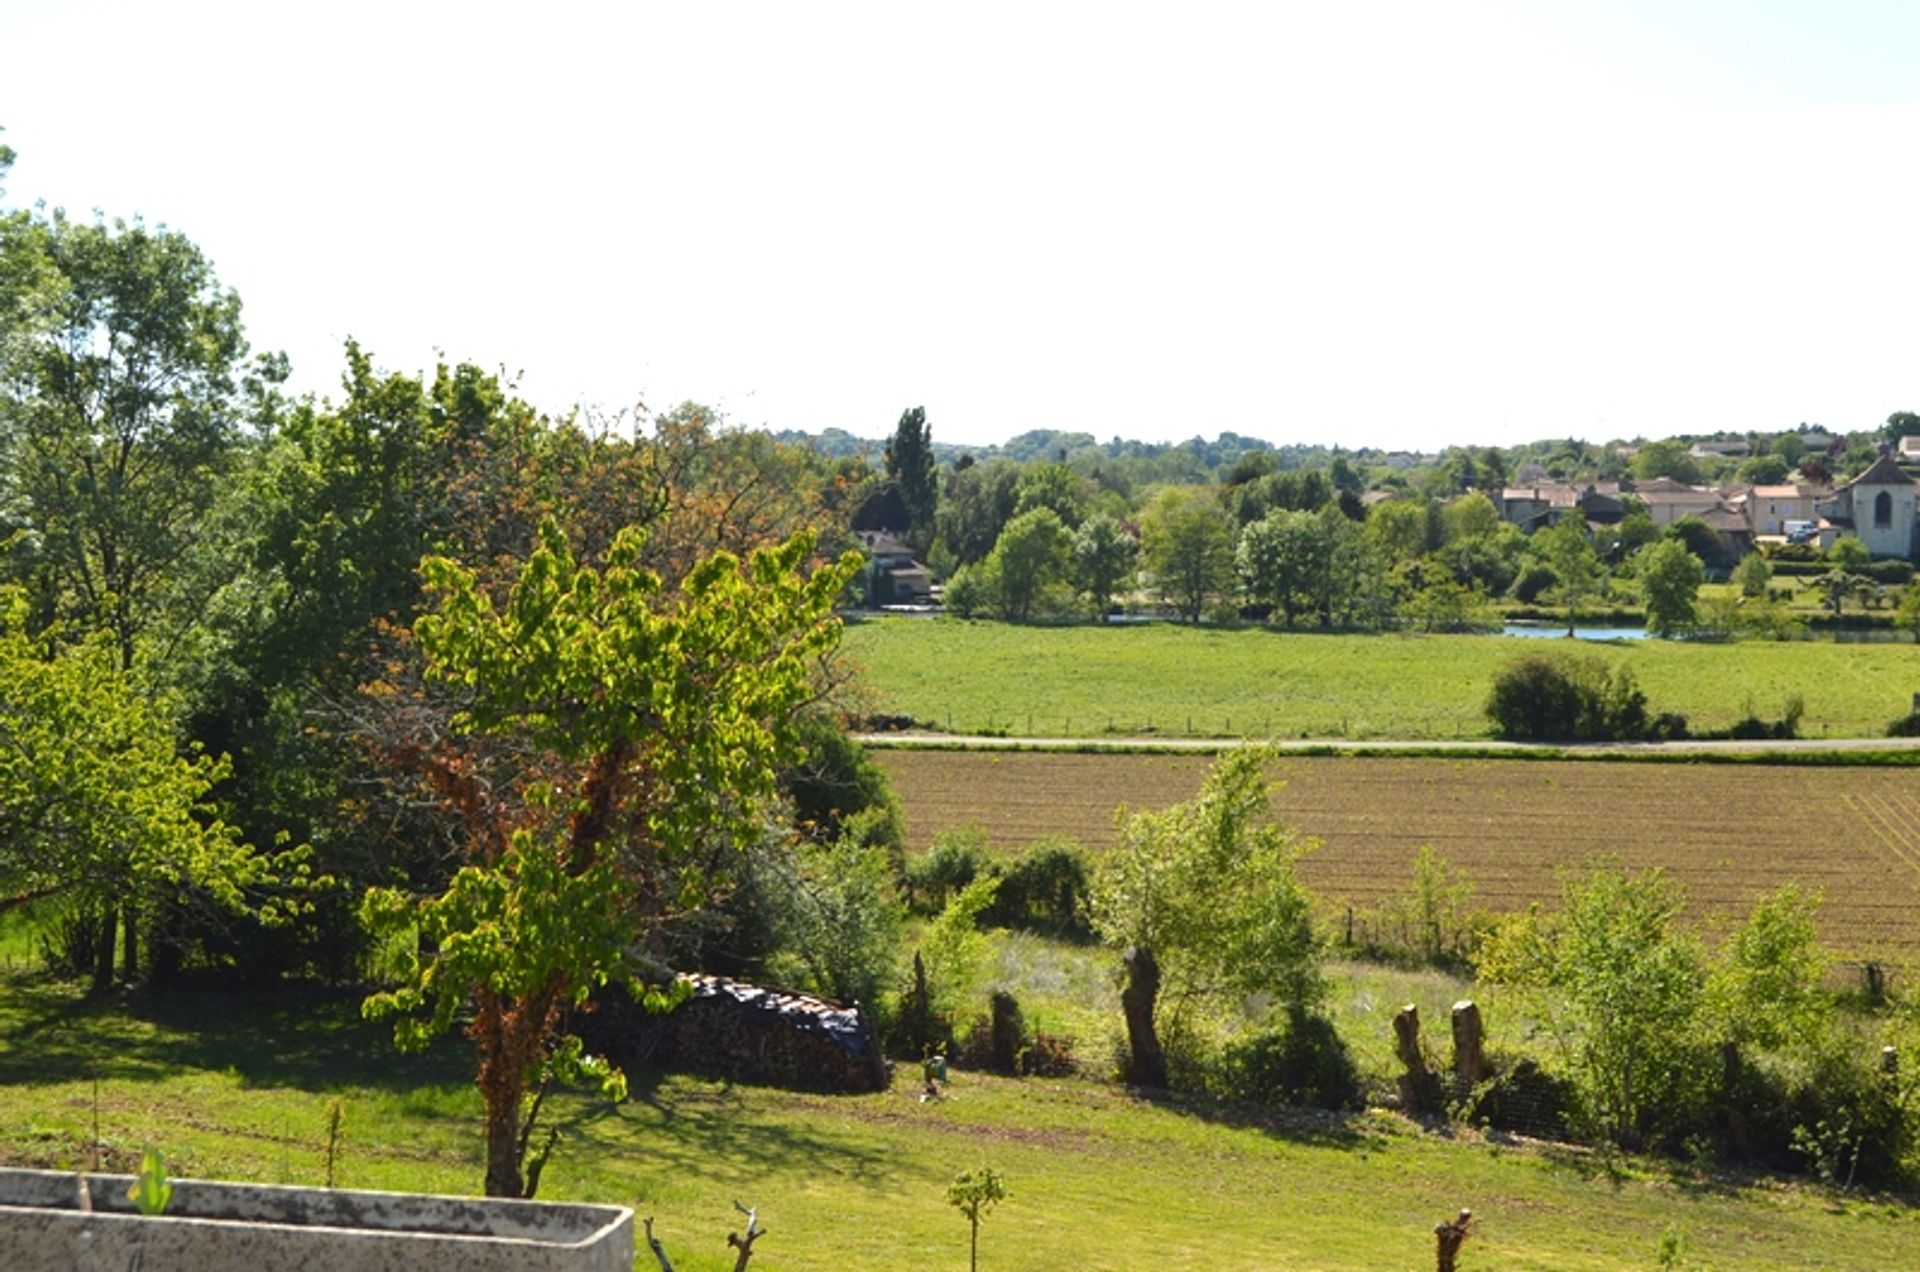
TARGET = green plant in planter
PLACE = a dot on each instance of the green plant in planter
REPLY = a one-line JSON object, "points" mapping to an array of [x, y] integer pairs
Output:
{"points": [[151, 1192]]}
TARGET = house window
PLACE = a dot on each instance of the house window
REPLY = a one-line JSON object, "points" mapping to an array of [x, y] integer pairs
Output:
{"points": [[1882, 510]]}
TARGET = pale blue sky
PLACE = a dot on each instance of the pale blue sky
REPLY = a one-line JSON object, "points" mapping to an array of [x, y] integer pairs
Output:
{"points": [[1399, 224]]}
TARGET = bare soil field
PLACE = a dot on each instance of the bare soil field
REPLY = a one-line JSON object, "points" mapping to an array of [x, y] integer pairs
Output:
{"points": [[1728, 832]]}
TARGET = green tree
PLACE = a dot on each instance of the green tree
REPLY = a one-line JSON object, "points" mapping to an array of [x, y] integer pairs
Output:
{"points": [[1471, 516], [1105, 555], [1187, 541], [911, 466], [1030, 557], [1670, 577], [1282, 559], [1622, 988], [1753, 574], [1666, 458], [1398, 528], [96, 802], [1576, 566], [648, 724], [974, 1193], [1907, 616], [1054, 486], [979, 502], [1848, 553], [119, 413], [1765, 470], [1203, 899]]}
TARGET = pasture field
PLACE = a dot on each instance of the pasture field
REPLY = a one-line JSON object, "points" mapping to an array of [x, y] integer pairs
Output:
{"points": [[1171, 680], [1729, 832], [237, 1087]]}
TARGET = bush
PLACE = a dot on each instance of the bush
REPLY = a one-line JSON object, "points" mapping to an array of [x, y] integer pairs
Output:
{"points": [[1046, 891], [1751, 726], [1891, 572], [1907, 726], [1302, 1061], [1534, 580], [956, 859], [1523, 1098], [1567, 698]]}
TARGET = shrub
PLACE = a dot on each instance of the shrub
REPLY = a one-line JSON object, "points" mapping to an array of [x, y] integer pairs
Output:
{"points": [[1907, 726], [1302, 1061], [1533, 581], [1045, 891], [955, 860], [1567, 697]]}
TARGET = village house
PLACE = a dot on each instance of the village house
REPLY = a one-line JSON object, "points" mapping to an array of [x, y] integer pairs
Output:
{"points": [[1770, 508], [1668, 500], [892, 576], [1878, 508], [1544, 503]]}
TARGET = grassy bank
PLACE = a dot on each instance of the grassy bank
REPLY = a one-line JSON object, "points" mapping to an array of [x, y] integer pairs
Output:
{"points": [[1173, 680], [238, 1088]]}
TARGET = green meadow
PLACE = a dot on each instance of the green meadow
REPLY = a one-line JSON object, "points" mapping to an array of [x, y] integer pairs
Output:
{"points": [[239, 1087], [1173, 680]]}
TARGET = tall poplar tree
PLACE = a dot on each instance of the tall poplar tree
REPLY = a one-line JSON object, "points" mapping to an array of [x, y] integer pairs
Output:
{"points": [[910, 465]]}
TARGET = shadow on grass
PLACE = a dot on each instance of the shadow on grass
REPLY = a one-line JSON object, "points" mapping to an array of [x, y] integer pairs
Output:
{"points": [[692, 1124], [301, 1037], [1312, 1127]]}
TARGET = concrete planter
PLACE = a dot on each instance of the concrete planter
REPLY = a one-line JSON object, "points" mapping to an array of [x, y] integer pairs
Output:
{"points": [[214, 1227]]}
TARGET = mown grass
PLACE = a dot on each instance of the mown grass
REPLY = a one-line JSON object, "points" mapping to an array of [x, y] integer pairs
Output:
{"points": [[238, 1087], [1167, 679]]}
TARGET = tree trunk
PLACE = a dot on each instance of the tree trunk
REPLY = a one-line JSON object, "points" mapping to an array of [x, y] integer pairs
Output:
{"points": [[130, 959], [103, 933], [1146, 1062], [503, 1142]]}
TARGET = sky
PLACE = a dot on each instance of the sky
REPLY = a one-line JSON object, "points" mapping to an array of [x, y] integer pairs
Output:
{"points": [[1362, 223]]}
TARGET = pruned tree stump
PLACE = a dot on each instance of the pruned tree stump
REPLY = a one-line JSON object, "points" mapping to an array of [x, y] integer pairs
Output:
{"points": [[1469, 1045]]}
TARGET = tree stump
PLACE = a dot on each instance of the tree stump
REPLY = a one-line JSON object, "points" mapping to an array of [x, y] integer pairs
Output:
{"points": [[1469, 1045], [1419, 1090], [1449, 1237]]}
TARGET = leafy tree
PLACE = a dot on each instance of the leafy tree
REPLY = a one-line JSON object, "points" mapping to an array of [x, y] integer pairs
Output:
{"points": [[1187, 541], [1203, 899], [974, 1193], [953, 950], [119, 412], [1471, 516], [979, 502], [1901, 424], [1848, 553], [1767, 989], [1030, 557], [836, 918], [1398, 527], [96, 802], [1697, 536], [646, 725], [1753, 574], [1636, 531], [1283, 559], [1765, 470], [1622, 987], [1576, 566], [1054, 486], [1666, 458], [1105, 554], [911, 466], [1670, 577]]}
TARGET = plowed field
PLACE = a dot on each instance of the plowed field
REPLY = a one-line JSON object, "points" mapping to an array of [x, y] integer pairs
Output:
{"points": [[1728, 832]]}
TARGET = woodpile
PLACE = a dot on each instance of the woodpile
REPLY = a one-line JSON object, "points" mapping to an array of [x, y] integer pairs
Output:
{"points": [[729, 1029]]}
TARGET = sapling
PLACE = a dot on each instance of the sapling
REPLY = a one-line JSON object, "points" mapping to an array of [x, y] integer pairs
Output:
{"points": [[974, 1193]]}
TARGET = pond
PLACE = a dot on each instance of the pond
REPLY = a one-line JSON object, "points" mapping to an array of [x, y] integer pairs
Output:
{"points": [[1579, 632]]}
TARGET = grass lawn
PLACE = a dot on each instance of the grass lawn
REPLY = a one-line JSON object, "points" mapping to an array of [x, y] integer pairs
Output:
{"points": [[1131, 679], [238, 1087]]}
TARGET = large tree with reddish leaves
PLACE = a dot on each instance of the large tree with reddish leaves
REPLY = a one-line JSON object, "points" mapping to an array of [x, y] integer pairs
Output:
{"points": [[644, 723]]}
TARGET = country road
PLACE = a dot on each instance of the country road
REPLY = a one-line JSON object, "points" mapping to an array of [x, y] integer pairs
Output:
{"points": [[1322, 746]]}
